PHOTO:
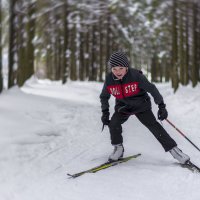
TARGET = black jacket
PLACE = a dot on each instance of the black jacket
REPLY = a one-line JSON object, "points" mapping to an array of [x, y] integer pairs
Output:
{"points": [[130, 92]]}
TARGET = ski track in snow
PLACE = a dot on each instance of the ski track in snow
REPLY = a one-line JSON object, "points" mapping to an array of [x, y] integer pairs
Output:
{"points": [[49, 130]]}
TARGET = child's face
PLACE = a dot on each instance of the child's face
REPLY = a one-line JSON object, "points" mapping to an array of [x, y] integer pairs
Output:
{"points": [[119, 71]]}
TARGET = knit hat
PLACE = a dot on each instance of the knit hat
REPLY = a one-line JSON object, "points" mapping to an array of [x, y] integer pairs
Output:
{"points": [[118, 59]]}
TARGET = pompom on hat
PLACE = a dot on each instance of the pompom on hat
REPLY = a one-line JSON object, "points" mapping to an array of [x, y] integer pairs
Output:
{"points": [[118, 59]]}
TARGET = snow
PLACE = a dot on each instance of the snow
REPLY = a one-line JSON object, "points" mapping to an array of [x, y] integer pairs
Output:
{"points": [[48, 130]]}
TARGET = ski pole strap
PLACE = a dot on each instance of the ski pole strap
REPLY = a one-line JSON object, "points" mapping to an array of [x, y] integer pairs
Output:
{"points": [[182, 134]]}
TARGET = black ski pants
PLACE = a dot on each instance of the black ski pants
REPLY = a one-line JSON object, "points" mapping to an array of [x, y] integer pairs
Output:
{"points": [[148, 119]]}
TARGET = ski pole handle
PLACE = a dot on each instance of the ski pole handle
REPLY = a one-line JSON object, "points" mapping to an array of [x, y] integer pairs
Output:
{"points": [[182, 134]]}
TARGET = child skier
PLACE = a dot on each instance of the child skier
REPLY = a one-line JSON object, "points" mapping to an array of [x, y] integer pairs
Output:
{"points": [[129, 86]]}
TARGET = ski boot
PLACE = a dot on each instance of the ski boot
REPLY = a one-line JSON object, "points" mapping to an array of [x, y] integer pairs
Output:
{"points": [[117, 153], [179, 155]]}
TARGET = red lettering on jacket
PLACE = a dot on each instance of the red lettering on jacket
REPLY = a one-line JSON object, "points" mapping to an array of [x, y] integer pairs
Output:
{"points": [[124, 90], [131, 89], [116, 91]]}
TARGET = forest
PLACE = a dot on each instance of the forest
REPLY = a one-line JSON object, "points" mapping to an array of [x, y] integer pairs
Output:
{"points": [[73, 39]]}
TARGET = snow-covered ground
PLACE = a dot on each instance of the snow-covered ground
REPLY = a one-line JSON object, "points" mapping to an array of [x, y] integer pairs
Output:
{"points": [[48, 130]]}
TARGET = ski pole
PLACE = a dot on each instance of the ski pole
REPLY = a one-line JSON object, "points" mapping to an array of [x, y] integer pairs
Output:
{"points": [[102, 127], [182, 134]]}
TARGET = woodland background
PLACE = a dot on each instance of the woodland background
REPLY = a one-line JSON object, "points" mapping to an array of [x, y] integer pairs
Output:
{"points": [[73, 39]]}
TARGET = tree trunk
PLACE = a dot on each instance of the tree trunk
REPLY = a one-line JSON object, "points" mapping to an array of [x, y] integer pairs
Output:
{"points": [[81, 58], [73, 69], [101, 63], [49, 63], [198, 40], [12, 45], [93, 76], [30, 47], [174, 75], [65, 45], [87, 47], [1, 76], [167, 69], [195, 72], [186, 53], [21, 50], [181, 49], [153, 69], [58, 55], [108, 32]]}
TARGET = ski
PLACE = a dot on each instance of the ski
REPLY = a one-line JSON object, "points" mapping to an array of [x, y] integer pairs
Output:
{"points": [[104, 166], [190, 166]]}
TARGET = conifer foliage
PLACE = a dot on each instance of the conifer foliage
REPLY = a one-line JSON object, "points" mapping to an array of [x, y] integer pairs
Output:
{"points": [[67, 39]]}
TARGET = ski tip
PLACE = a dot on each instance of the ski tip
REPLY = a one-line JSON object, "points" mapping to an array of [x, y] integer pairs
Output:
{"points": [[74, 175], [70, 176]]}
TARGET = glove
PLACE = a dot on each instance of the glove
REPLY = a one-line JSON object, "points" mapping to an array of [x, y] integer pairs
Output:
{"points": [[162, 112], [105, 117]]}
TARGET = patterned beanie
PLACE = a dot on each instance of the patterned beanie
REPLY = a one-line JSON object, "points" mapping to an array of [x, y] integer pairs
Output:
{"points": [[118, 59]]}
